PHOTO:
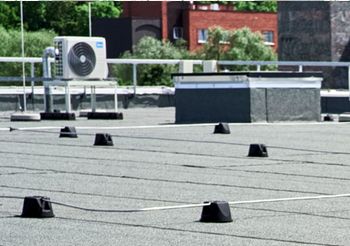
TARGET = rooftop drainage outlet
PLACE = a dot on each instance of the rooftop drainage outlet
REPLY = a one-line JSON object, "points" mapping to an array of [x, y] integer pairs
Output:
{"points": [[217, 211], [68, 132], [37, 207], [257, 150], [103, 139], [222, 128]]}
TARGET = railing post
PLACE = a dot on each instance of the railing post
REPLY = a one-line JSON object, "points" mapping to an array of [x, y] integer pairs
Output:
{"points": [[32, 74], [349, 81], [300, 68], [258, 68], [134, 76]]}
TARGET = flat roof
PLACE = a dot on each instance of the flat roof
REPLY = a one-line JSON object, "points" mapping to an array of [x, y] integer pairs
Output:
{"points": [[268, 74], [156, 163]]}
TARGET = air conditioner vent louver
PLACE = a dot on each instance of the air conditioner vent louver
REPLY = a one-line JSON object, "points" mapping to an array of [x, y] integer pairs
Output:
{"points": [[58, 59], [82, 59]]}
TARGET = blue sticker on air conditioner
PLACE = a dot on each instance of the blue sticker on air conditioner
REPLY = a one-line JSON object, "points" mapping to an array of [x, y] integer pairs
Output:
{"points": [[99, 44]]}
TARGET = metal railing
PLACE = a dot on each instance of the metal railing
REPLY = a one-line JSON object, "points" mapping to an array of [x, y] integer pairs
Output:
{"points": [[31, 60], [299, 64], [135, 62]]}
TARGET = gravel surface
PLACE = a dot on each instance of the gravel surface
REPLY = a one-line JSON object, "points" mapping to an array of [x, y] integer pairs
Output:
{"points": [[156, 163]]}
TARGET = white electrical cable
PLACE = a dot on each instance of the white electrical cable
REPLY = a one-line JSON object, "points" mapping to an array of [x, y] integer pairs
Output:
{"points": [[35, 128], [130, 210], [114, 127], [290, 199], [203, 204], [189, 205]]}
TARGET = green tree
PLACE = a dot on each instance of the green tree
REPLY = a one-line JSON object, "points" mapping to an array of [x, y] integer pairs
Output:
{"points": [[9, 14], [151, 48], [78, 17], [34, 16], [63, 17], [254, 6], [241, 44], [214, 47], [35, 43]]}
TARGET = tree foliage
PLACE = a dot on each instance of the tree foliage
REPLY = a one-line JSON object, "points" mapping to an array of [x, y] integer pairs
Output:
{"points": [[151, 48], [241, 44], [35, 43], [9, 15], [254, 6], [63, 17]]}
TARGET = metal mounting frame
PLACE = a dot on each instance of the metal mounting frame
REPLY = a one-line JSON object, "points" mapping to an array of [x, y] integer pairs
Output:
{"points": [[67, 84]]}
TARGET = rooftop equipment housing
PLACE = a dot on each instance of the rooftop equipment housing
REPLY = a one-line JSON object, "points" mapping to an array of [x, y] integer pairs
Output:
{"points": [[80, 58]]}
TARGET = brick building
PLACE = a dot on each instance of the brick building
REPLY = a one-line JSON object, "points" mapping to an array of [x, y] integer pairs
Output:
{"points": [[173, 20]]}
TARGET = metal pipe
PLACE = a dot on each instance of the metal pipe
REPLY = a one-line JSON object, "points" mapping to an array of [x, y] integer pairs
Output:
{"points": [[32, 74], [48, 100], [134, 76], [23, 65], [349, 81]]}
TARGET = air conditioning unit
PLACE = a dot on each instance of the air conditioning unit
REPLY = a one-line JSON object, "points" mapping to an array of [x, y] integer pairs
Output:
{"points": [[80, 58]]}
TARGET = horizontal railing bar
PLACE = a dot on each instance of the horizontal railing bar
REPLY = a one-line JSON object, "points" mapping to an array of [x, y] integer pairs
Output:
{"points": [[150, 61], [12, 79], [195, 62], [287, 63], [25, 59]]}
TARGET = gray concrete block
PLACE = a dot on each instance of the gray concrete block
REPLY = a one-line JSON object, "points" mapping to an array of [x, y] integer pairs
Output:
{"points": [[293, 104]]}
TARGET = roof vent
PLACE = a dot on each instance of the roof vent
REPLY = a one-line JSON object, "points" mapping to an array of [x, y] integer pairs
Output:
{"points": [[37, 207], [217, 211]]}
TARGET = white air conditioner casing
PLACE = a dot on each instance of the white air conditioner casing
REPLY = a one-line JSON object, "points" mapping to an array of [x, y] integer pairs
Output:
{"points": [[80, 58]]}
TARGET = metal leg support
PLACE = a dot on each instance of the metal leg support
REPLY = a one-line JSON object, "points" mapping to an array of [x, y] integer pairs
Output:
{"points": [[68, 102], [93, 98], [115, 99]]}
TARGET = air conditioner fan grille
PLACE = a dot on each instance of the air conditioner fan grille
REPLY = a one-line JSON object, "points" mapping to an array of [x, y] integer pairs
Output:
{"points": [[82, 59]]}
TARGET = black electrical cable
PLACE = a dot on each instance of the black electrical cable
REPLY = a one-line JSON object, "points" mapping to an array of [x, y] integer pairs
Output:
{"points": [[195, 141], [11, 197]]}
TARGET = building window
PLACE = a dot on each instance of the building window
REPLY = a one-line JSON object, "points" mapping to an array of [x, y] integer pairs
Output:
{"points": [[177, 32], [214, 7], [268, 37], [202, 35], [225, 38]]}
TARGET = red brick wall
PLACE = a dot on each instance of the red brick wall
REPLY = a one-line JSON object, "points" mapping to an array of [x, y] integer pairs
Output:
{"points": [[146, 9], [197, 19], [194, 19], [164, 17]]}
